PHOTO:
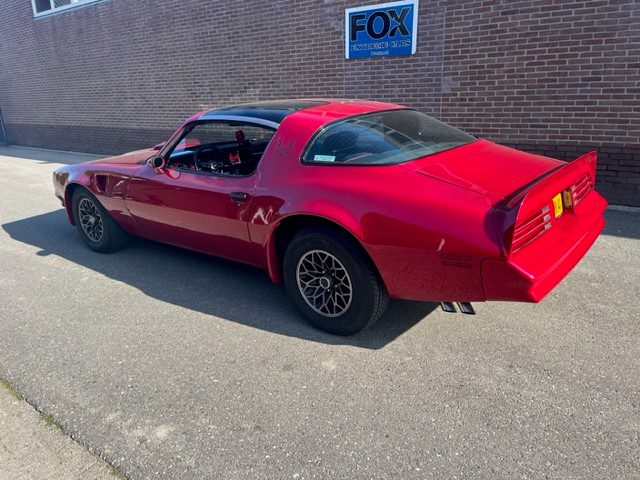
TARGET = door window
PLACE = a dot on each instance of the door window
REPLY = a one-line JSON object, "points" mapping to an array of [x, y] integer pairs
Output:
{"points": [[220, 147]]}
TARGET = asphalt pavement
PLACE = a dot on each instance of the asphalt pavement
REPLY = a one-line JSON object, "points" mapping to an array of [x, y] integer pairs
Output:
{"points": [[174, 365]]}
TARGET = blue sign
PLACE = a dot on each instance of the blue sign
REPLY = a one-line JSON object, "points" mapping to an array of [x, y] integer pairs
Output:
{"points": [[381, 30]]}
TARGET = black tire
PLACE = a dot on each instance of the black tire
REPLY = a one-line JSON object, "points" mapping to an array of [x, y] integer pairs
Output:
{"points": [[112, 237], [369, 297]]}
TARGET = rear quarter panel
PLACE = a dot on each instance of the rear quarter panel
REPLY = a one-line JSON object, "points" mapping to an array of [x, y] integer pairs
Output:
{"points": [[426, 237]]}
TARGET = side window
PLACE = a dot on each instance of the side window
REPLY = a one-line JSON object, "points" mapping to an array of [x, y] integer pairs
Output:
{"points": [[382, 138], [220, 147]]}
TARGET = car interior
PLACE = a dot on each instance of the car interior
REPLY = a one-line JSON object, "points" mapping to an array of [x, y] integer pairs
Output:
{"points": [[220, 148]]}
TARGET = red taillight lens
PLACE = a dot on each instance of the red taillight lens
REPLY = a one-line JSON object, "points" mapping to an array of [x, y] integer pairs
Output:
{"points": [[581, 189], [531, 229]]}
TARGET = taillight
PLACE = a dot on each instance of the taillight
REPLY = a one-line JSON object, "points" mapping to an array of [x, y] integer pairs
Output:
{"points": [[581, 189], [531, 229]]}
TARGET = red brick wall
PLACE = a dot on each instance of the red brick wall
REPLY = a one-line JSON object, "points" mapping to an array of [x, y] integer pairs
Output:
{"points": [[557, 77]]}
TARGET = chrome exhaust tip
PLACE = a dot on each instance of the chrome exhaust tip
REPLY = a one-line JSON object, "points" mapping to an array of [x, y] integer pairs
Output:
{"points": [[466, 308], [448, 307]]}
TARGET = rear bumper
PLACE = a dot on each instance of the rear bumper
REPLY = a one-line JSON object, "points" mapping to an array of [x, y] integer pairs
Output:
{"points": [[531, 273]]}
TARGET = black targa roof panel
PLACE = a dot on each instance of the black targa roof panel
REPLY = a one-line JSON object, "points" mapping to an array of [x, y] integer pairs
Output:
{"points": [[273, 111]]}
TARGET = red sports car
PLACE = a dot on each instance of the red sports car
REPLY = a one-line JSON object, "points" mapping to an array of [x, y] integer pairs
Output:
{"points": [[348, 203]]}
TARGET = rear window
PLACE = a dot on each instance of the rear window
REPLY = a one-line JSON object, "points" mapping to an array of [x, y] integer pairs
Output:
{"points": [[382, 138]]}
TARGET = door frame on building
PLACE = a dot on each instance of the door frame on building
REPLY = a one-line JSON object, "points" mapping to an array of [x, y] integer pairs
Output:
{"points": [[3, 132]]}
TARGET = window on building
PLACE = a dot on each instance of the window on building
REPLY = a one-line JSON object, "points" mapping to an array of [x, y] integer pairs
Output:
{"points": [[44, 7]]}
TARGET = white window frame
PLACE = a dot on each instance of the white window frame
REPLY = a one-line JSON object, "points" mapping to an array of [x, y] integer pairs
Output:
{"points": [[54, 9]]}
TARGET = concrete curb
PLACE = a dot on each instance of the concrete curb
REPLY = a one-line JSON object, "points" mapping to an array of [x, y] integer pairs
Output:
{"points": [[623, 208], [51, 150], [33, 446]]}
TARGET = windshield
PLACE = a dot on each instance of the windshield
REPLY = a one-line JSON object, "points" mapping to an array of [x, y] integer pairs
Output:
{"points": [[383, 138]]}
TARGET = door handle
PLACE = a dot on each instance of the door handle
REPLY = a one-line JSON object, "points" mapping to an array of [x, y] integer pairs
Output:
{"points": [[238, 196]]}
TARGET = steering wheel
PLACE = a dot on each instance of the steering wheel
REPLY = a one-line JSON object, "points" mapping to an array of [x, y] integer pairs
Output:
{"points": [[198, 154]]}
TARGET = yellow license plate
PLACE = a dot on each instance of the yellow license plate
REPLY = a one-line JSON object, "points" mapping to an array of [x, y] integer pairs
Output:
{"points": [[557, 205]]}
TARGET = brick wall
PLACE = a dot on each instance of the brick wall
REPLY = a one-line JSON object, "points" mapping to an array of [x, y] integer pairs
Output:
{"points": [[556, 77]]}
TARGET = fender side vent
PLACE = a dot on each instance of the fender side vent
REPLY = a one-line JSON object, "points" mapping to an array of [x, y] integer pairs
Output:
{"points": [[101, 183]]}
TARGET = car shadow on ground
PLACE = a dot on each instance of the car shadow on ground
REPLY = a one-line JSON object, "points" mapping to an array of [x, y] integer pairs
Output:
{"points": [[210, 285]]}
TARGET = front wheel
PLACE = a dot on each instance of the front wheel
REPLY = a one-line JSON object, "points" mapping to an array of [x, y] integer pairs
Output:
{"points": [[332, 282], [98, 230]]}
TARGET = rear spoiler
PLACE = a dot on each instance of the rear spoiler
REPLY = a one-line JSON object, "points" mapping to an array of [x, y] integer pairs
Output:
{"points": [[523, 208]]}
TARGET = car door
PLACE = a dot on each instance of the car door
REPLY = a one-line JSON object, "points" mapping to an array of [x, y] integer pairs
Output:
{"points": [[199, 211], [201, 196]]}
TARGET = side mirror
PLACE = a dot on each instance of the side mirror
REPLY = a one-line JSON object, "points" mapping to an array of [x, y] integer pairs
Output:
{"points": [[157, 163], [158, 146]]}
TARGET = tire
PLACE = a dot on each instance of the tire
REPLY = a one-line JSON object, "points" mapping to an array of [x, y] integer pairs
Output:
{"points": [[102, 234], [316, 261]]}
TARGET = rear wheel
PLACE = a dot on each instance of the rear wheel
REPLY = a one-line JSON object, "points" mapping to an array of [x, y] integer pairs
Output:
{"points": [[98, 230], [331, 281]]}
